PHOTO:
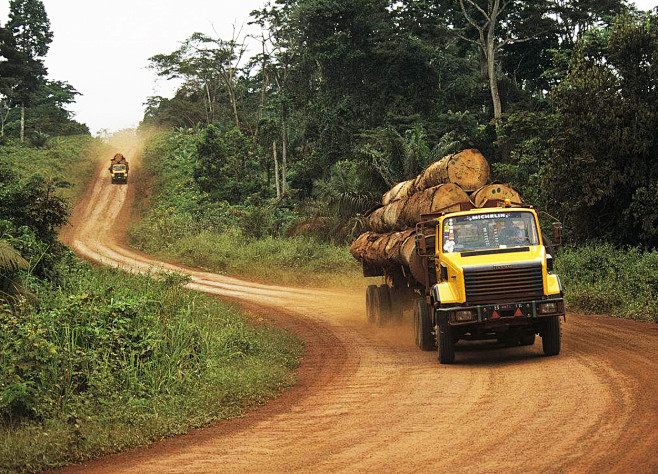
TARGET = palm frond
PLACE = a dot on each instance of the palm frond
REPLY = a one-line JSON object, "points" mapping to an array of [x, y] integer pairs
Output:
{"points": [[10, 259]]}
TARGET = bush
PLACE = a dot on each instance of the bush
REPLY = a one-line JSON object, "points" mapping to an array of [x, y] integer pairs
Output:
{"points": [[602, 278], [110, 361]]}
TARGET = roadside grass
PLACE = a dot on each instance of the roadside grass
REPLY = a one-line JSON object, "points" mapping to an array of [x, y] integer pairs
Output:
{"points": [[69, 159], [179, 223], [600, 278], [111, 361], [296, 261]]}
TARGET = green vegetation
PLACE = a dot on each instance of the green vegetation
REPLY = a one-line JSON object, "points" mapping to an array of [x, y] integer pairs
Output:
{"points": [[92, 360], [108, 362], [59, 161], [31, 105], [602, 279], [186, 224]]}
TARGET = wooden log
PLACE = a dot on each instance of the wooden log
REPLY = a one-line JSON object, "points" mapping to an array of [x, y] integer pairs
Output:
{"points": [[359, 245], [494, 192], [392, 214], [374, 253], [376, 221], [391, 250], [395, 248], [399, 191], [405, 213], [469, 169], [384, 250], [407, 248], [445, 196]]}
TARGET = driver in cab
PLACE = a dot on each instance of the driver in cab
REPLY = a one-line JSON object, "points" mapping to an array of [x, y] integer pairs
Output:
{"points": [[511, 234]]}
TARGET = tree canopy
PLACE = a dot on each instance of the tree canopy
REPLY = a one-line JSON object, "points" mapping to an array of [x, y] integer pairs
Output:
{"points": [[345, 97]]}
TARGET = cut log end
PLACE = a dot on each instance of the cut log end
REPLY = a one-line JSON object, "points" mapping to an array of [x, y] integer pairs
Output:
{"points": [[494, 192], [469, 169]]}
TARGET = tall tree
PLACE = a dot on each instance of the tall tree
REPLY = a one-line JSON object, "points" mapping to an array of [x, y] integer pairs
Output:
{"points": [[30, 27], [208, 64]]}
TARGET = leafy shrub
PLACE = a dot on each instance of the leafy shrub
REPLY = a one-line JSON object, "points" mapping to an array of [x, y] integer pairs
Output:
{"points": [[226, 168], [39, 139], [132, 356], [602, 278]]}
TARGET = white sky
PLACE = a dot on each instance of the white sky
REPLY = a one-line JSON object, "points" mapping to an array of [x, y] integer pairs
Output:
{"points": [[102, 48]]}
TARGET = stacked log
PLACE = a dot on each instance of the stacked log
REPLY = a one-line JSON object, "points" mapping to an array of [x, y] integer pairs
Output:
{"points": [[468, 169], [442, 186], [494, 192], [118, 159], [381, 250], [405, 212]]}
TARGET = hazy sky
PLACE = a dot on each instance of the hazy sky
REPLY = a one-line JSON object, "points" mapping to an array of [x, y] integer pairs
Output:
{"points": [[102, 48]]}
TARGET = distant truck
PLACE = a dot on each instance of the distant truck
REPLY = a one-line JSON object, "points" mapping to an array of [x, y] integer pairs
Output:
{"points": [[475, 274], [119, 169]]}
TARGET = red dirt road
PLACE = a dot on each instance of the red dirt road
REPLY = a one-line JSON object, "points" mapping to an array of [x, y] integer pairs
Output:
{"points": [[368, 400]]}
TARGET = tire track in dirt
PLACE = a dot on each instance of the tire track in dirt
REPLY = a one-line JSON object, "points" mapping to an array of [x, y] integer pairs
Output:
{"points": [[368, 400]]}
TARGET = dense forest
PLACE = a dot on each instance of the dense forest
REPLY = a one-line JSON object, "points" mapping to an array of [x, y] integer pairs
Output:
{"points": [[334, 101]]}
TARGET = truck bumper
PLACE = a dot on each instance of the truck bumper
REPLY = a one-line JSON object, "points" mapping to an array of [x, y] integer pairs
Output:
{"points": [[502, 314]]}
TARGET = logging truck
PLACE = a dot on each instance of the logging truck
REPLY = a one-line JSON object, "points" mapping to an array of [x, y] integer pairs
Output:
{"points": [[118, 169], [469, 274]]}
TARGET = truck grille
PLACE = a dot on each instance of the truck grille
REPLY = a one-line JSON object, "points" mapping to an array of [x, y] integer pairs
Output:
{"points": [[503, 283]]}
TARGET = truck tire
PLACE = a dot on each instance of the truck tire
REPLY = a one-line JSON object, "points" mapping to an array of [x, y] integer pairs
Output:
{"points": [[382, 305], [423, 325], [370, 303], [527, 340], [445, 344], [551, 337]]}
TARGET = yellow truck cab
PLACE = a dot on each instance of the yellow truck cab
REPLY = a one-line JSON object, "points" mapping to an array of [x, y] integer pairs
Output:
{"points": [[119, 173], [489, 277]]}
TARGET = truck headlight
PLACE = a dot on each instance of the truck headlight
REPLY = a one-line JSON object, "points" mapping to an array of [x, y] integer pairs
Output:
{"points": [[463, 315], [547, 308]]}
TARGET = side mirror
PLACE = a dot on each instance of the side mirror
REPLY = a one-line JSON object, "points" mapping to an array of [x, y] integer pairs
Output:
{"points": [[557, 233]]}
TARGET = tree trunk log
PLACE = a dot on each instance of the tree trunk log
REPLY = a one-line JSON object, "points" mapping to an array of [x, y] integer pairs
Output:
{"points": [[399, 191], [495, 192], [384, 250], [405, 213], [22, 133], [469, 169]]}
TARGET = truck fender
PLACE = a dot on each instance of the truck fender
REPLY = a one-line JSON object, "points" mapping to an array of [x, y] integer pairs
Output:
{"points": [[436, 302], [434, 293]]}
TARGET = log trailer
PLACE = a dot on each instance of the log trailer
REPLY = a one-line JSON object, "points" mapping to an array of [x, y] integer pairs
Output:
{"points": [[474, 274], [119, 169]]}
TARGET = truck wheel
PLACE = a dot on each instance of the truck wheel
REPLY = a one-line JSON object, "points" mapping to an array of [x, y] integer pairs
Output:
{"points": [[527, 340], [382, 305], [370, 303], [445, 343], [423, 325], [551, 337]]}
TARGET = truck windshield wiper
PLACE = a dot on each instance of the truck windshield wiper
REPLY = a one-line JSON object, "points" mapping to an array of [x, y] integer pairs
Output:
{"points": [[475, 253]]}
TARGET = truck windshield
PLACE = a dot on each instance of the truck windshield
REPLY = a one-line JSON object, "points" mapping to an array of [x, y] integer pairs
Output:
{"points": [[119, 167], [489, 231]]}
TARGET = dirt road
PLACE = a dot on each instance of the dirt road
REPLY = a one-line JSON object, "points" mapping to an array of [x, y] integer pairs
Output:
{"points": [[368, 400]]}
